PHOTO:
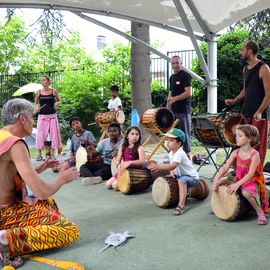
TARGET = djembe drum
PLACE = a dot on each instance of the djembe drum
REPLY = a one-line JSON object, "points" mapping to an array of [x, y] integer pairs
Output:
{"points": [[223, 131], [48, 147], [110, 117], [199, 191], [134, 180], [81, 157], [165, 191], [161, 118], [227, 206], [113, 166]]}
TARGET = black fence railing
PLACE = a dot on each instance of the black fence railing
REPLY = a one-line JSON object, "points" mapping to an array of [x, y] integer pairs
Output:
{"points": [[160, 71], [9, 84]]}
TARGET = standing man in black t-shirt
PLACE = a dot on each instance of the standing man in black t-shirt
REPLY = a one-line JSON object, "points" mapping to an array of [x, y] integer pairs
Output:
{"points": [[179, 99], [255, 94]]}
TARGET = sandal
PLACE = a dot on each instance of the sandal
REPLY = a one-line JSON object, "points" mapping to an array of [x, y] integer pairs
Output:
{"points": [[39, 158], [262, 220], [178, 211], [6, 260]]}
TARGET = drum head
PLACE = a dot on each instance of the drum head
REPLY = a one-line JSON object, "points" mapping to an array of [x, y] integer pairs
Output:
{"points": [[231, 121], [164, 118], [81, 157], [124, 182], [161, 192], [113, 166], [224, 205], [120, 117]]}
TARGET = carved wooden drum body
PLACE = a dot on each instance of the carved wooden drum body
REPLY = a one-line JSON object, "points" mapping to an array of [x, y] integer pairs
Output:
{"points": [[223, 131], [110, 117], [161, 118], [134, 180], [199, 191]]}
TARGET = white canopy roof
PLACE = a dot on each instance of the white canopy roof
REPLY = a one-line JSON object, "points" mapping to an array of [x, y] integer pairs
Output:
{"points": [[214, 15]]}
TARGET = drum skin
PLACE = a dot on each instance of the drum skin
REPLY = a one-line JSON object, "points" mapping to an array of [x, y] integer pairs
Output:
{"points": [[161, 118], [113, 166], [81, 157], [165, 192], [134, 180], [228, 207]]}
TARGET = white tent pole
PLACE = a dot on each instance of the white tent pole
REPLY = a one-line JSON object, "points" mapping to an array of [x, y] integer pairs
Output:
{"points": [[212, 65], [187, 24]]}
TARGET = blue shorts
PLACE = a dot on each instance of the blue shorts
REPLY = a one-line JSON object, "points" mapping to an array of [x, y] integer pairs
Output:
{"points": [[190, 181]]}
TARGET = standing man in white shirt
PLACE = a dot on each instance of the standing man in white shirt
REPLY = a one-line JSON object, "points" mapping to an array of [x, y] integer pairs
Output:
{"points": [[115, 103]]}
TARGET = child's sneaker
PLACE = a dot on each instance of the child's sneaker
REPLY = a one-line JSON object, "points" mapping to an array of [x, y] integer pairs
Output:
{"points": [[87, 181]]}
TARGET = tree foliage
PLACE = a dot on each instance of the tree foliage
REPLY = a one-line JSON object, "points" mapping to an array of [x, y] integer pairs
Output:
{"points": [[257, 26], [229, 67], [12, 43]]}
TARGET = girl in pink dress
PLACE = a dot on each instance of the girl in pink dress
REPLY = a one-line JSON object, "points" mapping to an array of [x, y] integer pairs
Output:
{"points": [[132, 154], [249, 173]]}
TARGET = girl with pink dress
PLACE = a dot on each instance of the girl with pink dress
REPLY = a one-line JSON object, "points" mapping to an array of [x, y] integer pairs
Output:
{"points": [[132, 154], [249, 172]]}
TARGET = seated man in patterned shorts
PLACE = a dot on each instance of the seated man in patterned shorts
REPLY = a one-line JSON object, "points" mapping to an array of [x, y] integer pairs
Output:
{"points": [[28, 224]]}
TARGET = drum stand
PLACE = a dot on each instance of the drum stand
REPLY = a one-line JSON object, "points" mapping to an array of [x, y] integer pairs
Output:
{"points": [[155, 132], [105, 132], [202, 127]]}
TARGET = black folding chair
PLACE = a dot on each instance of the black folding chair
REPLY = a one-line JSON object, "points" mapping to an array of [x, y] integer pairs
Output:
{"points": [[207, 133]]}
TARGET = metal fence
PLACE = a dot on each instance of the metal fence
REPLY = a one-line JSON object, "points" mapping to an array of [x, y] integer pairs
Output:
{"points": [[160, 71]]}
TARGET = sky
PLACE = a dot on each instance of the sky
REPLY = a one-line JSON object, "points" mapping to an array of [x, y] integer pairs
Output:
{"points": [[168, 41]]}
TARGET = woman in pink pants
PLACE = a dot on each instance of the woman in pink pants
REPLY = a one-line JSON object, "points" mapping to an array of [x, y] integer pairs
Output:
{"points": [[46, 102]]}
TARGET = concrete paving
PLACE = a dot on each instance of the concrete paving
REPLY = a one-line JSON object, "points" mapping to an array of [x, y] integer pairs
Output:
{"points": [[196, 240]]}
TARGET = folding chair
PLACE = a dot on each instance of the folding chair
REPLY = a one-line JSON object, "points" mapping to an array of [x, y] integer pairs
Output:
{"points": [[210, 137]]}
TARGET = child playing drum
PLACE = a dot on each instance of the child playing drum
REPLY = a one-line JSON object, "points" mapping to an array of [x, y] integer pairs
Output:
{"points": [[132, 154], [180, 167], [249, 174]]}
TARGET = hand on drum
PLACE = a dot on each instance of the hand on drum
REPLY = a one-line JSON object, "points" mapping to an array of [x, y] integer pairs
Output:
{"points": [[153, 166], [229, 102], [215, 185], [170, 101], [233, 188], [123, 166], [257, 116]]}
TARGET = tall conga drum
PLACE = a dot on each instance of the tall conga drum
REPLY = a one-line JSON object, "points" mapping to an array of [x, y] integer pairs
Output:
{"points": [[134, 180], [110, 117], [199, 191], [227, 206], [161, 118], [165, 191]]}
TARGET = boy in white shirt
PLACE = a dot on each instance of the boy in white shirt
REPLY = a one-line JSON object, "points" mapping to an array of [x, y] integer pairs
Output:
{"points": [[180, 167], [115, 103]]}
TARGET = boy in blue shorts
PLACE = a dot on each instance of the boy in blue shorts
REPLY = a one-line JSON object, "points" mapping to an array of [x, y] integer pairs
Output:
{"points": [[180, 167]]}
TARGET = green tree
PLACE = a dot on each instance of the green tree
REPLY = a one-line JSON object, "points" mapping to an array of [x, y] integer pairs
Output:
{"points": [[12, 43], [230, 68], [257, 26]]}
